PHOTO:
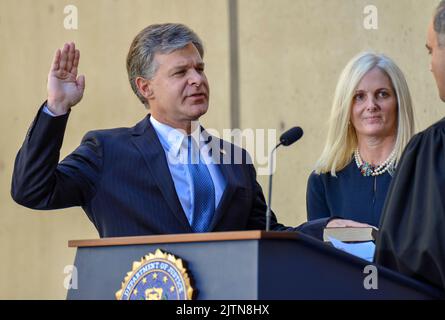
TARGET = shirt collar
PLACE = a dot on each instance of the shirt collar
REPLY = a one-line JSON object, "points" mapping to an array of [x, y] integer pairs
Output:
{"points": [[172, 139]]}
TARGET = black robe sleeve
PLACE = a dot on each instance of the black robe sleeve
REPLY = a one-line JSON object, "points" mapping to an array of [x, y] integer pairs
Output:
{"points": [[412, 228]]}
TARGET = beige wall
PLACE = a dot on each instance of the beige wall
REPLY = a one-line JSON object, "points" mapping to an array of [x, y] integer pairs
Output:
{"points": [[291, 53]]}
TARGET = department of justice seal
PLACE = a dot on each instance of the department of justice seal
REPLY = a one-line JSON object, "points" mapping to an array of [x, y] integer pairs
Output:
{"points": [[158, 276]]}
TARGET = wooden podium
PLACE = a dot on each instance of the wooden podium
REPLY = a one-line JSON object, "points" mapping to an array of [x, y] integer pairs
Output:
{"points": [[246, 265]]}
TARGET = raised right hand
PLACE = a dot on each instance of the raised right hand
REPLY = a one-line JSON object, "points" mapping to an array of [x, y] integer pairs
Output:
{"points": [[65, 89]]}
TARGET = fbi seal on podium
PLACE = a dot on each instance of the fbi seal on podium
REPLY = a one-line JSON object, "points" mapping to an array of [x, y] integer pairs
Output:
{"points": [[158, 276]]}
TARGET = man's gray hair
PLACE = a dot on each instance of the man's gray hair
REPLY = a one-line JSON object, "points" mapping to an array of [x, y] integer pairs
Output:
{"points": [[439, 23], [156, 38]]}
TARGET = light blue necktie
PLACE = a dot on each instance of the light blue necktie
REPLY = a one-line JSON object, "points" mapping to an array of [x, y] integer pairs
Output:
{"points": [[204, 191]]}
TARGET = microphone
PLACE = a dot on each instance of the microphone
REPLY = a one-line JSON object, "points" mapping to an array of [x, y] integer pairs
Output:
{"points": [[286, 139], [291, 136]]}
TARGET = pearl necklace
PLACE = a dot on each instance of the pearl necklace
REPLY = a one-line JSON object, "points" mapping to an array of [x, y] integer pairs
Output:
{"points": [[368, 169]]}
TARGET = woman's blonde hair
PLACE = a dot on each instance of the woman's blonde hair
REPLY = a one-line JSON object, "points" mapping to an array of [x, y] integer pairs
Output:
{"points": [[342, 140]]}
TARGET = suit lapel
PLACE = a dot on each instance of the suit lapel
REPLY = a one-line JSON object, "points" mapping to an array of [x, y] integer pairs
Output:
{"points": [[147, 142], [221, 155], [227, 195]]}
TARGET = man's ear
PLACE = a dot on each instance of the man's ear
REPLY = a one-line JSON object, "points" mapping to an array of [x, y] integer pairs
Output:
{"points": [[145, 87]]}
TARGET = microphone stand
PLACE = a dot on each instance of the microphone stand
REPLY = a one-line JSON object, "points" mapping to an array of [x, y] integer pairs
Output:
{"points": [[269, 200]]}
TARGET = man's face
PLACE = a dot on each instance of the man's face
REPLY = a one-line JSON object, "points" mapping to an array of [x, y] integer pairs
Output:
{"points": [[437, 65], [179, 88]]}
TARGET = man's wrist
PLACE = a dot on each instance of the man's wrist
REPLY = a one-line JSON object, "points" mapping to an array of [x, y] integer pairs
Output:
{"points": [[56, 110]]}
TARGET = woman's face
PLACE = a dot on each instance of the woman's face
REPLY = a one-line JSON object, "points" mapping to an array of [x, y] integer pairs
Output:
{"points": [[374, 106]]}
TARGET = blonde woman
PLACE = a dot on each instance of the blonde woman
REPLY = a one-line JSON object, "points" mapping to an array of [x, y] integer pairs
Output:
{"points": [[371, 122]]}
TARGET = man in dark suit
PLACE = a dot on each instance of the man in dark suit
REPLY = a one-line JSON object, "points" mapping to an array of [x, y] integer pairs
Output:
{"points": [[164, 175], [412, 228]]}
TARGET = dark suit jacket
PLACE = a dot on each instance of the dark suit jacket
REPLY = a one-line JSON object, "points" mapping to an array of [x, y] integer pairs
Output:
{"points": [[121, 179]]}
